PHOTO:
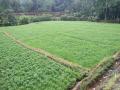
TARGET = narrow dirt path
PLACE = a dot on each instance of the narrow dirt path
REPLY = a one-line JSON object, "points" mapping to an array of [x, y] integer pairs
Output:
{"points": [[110, 80]]}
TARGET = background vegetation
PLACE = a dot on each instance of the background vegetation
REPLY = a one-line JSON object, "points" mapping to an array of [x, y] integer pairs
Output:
{"points": [[93, 10]]}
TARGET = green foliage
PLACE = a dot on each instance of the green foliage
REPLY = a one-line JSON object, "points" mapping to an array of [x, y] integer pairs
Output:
{"points": [[7, 19], [24, 20], [12, 20], [102, 9], [69, 18], [84, 43], [41, 18], [23, 69], [108, 10]]}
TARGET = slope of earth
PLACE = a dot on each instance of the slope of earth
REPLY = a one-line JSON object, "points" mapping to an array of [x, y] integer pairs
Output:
{"points": [[116, 85], [23, 69], [85, 43], [110, 80]]}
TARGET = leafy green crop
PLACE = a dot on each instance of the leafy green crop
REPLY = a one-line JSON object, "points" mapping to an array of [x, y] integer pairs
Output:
{"points": [[23, 69], [85, 43]]}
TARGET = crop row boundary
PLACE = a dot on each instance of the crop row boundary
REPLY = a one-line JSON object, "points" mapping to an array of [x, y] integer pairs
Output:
{"points": [[97, 72], [62, 61]]}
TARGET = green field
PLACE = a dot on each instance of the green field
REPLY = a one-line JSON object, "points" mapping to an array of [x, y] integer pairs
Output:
{"points": [[84, 43], [80, 42], [23, 69]]}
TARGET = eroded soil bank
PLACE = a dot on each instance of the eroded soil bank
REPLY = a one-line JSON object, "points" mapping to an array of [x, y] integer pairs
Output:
{"points": [[110, 80]]}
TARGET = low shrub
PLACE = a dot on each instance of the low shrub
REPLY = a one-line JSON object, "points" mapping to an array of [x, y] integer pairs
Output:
{"points": [[24, 20], [69, 18], [41, 18]]}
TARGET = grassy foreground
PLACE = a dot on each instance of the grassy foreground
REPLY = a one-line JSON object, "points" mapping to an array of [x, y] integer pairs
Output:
{"points": [[23, 69], [85, 43]]}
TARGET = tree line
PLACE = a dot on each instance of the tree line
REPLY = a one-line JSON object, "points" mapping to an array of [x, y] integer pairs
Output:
{"points": [[90, 9]]}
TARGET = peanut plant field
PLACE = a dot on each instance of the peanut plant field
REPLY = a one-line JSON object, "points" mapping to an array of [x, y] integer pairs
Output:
{"points": [[23, 69], [82, 43]]}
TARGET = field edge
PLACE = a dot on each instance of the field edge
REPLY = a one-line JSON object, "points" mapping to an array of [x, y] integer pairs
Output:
{"points": [[97, 72]]}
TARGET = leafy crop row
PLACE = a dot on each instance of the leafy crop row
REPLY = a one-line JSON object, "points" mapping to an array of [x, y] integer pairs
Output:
{"points": [[23, 69]]}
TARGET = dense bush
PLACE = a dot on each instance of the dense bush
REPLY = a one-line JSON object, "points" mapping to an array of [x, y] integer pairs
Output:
{"points": [[12, 20], [7, 19], [24, 20]]}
